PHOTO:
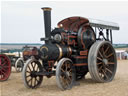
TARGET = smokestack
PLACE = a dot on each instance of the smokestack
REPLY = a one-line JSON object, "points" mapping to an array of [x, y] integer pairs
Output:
{"points": [[47, 22]]}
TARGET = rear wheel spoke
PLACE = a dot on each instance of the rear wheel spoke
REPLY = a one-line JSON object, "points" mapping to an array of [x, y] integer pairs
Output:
{"points": [[105, 74], [109, 55], [106, 50], [99, 63], [100, 68], [111, 63], [99, 58], [101, 54], [109, 70]]}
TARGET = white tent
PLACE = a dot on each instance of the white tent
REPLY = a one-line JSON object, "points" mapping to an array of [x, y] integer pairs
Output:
{"points": [[121, 54]]}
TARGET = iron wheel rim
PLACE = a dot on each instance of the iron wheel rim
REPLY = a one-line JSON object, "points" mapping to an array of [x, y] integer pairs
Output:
{"points": [[32, 80], [65, 74], [5, 67]]}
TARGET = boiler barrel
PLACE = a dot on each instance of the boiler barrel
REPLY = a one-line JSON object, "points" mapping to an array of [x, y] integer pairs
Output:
{"points": [[54, 51]]}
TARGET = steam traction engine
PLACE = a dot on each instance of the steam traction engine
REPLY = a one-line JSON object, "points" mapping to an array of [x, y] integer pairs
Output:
{"points": [[27, 52], [72, 50]]}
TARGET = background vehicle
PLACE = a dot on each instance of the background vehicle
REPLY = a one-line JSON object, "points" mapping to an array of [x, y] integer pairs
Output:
{"points": [[27, 52], [5, 67]]}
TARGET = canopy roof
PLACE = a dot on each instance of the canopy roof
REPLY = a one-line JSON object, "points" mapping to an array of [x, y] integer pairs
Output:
{"points": [[103, 24], [71, 21]]}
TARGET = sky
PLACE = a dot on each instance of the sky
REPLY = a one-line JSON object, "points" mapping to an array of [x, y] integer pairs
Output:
{"points": [[22, 21]]}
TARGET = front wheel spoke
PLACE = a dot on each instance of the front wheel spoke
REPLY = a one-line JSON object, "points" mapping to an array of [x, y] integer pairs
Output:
{"points": [[100, 74], [68, 65], [36, 79], [67, 82], [62, 77], [29, 68], [32, 65], [29, 80], [62, 70], [28, 71], [63, 80], [28, 76], [37, 69], [70, 71], [109, 55], [68, 78]]}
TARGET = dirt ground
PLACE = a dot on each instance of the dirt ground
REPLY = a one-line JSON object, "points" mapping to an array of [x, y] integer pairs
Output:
{"points": [[118, 87]]}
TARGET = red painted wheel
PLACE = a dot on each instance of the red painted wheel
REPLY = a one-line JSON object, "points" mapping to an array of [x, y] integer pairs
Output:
{"points": [[5, 67]]}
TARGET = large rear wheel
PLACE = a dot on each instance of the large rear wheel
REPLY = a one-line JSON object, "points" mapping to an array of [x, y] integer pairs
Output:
{"points": [[102, 62], [5, 67], [30, 78]]}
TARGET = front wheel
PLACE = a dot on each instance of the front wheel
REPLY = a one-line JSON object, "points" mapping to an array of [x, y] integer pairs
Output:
{"points": [[31, 80], [65, 74]]}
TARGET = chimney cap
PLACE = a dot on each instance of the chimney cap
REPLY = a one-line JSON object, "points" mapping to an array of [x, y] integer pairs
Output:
{"points": [[46, 8]]}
